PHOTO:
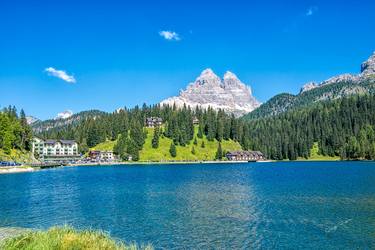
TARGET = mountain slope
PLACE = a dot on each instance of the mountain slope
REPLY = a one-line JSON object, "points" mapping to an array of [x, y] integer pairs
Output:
{"points": [[208, 90], [339, 128], [331, 89], [41, 126]]}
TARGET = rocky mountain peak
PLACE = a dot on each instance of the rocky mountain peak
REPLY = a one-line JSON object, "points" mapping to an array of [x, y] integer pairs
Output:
{"points": [[208, 77], [229, 75], [309, 86], [368, 67], [208, 90], [232, 83]]}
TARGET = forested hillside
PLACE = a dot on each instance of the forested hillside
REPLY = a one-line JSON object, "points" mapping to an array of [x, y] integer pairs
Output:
{"points": [[15, 134], [285, 102], [343, 127], [127, 127]]}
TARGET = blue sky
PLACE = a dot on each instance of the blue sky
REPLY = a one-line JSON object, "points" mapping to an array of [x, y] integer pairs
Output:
{"points": [[114, 54]]}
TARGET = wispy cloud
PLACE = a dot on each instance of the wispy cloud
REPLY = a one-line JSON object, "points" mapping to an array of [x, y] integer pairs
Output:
{"points": [[301, 19], [60, 74], [169, 35], [311, 11]]}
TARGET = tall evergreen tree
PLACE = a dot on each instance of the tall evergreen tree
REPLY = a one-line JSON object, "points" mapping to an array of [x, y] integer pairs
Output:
{"points": [[155, 138], [173, 150], [219, 152]]}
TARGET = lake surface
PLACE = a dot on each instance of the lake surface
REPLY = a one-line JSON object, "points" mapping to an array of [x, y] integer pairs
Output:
{"points": [[325, 205]]}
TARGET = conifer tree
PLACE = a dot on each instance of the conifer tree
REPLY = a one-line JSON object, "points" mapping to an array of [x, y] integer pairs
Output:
{"points": [[172, 150], [193, 150], [200, 130], [155, 138], [219, 152], [132, 149], [121, 146], [195, 141]]}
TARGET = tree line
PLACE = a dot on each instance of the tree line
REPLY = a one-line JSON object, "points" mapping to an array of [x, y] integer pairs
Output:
{"points": [[15, 133]]}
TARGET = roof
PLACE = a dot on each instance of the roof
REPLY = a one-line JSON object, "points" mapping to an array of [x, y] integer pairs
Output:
{"points": [[67, 141], [154, 119], [50, 141], [244, 153], [53, 141]]}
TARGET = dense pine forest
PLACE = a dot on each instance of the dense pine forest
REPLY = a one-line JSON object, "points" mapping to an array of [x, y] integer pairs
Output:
{"points": [[15, 133], [344, 128]]}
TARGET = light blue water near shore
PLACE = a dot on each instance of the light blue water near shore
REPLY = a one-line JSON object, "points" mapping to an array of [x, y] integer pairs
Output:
{"points": [[320, 205]]}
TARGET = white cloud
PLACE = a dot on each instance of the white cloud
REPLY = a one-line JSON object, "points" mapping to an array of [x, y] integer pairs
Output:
{"points": [[170, 35], [60, 74], [311, 11], [65, 114]]}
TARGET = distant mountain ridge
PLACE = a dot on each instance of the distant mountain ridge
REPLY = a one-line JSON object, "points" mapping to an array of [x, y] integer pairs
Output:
{"points": [[41, 126], [367, 69], [333, 88], [31, 119], [208, 90]]}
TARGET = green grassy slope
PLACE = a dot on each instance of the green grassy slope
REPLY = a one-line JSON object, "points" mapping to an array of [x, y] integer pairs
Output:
{"points": [[183, 153], [105, 146], [315, 156]]}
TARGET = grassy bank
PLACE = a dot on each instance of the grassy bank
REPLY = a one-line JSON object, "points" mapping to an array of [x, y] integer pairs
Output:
{"points": [[315, 156], [60, 238]]}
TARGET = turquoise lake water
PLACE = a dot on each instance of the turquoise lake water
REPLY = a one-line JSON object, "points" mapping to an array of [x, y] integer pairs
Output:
{"points": [[287, 205]]}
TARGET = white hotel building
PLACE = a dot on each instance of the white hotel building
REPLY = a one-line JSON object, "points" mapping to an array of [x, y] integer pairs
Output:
{"points": [[55, 150]]}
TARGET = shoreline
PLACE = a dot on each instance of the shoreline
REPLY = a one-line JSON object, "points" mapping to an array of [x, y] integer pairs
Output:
{"points": [[155, 163], [17, 170], [26, 168]]}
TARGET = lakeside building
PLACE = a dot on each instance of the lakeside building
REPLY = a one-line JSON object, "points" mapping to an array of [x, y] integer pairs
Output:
{"points": [[55, 150], [245, 156], [152, 122], [101, 156]]}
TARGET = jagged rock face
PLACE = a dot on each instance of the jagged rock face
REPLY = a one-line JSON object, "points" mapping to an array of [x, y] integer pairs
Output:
{"points": [[308, 86], [340, 78], [367, 70], [368, 67], [208, 90], [241, 93]]}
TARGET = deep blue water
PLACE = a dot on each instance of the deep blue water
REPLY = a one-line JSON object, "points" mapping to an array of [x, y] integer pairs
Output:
{"points": [[320, 205]]}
